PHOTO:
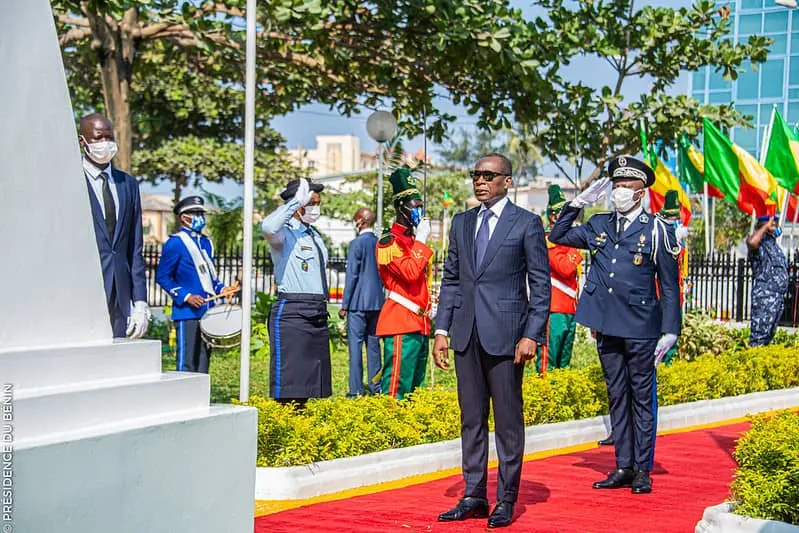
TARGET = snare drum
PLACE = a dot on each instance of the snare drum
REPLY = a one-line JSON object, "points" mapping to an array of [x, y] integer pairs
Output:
{"points": [[220, 326]]}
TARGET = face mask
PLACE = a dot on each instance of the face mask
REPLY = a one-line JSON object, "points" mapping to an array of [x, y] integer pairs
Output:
{"points": [[777, 232], [414, 214], [311, 214], [102, 152], [623, 199], [197, 222]]}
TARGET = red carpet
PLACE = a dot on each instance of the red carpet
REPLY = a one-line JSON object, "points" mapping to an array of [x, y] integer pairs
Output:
{"points": [[692, 471]]}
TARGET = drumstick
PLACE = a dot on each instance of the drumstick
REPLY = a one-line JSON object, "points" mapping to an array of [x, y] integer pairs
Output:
{"points": [[222, 295]]}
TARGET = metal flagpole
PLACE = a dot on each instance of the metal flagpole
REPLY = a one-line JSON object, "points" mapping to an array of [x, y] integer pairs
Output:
{"points": [[762, 159], [707, 220], [249, 170]]}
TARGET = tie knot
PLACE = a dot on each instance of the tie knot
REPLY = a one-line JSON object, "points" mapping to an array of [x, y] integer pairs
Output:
{"points": [[103, 176], [488, 214]]}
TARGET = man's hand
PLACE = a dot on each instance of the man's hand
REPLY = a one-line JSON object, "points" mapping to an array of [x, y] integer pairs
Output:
{"points": [[230, 290], [139, 320], [441, 352], [342, 313], [423, 231], [592, 194], [665, 343], [195, 300], [525, 350], [303, 194]]}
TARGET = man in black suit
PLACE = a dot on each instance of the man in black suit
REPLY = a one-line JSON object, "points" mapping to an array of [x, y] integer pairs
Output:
{"points": [[116, 210], [495, 251]]}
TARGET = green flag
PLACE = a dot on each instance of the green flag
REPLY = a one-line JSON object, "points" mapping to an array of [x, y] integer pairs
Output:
{"points": [[781, 155]]}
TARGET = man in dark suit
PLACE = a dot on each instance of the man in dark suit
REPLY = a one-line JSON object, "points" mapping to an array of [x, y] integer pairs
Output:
{"points": [[361, 304], [495, 251], [631, 251], [116, 210]]}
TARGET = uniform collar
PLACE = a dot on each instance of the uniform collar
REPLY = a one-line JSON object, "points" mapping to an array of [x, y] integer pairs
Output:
{"points": [[632, 215], [191, 232], [93, 171]]}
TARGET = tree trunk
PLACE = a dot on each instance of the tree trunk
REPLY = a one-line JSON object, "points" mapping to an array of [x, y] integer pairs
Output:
{"points": [[116, 49]]}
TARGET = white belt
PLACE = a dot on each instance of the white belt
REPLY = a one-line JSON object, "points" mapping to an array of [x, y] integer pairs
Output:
{"points": [[571, 293], [414, 308]]}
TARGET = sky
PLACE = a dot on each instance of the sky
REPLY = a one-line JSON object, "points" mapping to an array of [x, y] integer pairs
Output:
{"points": [[302, 126]]}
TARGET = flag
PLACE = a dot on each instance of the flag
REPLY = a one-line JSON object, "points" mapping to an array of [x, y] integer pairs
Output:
{"points": [[782, 155], [691, 168], [791, 213], [649, 154], [664, 182], [737, 174]]}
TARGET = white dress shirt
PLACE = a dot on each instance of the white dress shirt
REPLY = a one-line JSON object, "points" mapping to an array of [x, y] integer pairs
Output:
{"points": [[93, 173], [629, 217]]}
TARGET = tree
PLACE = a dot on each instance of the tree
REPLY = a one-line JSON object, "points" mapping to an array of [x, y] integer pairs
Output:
{"points": [[463, 149], [589, 126], [404, 51]]}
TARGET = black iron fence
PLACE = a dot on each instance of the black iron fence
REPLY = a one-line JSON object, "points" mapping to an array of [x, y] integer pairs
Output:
{"points": [[721, 283]]}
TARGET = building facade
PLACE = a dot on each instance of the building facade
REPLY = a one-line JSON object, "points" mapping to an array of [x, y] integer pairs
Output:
{"points": [[333, 154], [776, 82]]}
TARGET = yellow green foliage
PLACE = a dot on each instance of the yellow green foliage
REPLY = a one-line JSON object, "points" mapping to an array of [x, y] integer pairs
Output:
{"points": [[767, 480], [342, 427]]}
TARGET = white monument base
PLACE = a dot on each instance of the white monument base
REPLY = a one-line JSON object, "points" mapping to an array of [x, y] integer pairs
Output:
{"points": [[103, 441]]}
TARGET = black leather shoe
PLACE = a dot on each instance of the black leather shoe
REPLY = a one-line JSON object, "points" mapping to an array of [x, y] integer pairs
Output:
{"points": [[623, 477], [466, 508], [607, 441], [501, 516], [642, 483]]}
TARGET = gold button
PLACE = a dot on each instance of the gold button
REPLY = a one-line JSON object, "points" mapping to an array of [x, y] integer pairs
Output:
{"points": [[643, 301], [612, 274], [610, 289], [614, 260], [617, 246]]}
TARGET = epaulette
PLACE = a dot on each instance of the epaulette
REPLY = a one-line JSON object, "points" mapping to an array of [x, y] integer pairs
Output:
{"points": [[387, 249], [386, 239]]}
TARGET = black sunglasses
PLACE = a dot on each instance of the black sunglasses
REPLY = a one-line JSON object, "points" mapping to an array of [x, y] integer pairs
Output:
{"points": [[487, 175]]}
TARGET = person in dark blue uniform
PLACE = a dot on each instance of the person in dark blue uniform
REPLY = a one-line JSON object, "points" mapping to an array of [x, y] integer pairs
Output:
{"points": [[770, 280], [629, 249], [186, 271]]}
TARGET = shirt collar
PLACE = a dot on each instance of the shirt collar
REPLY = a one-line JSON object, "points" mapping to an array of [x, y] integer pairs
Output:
{"points": [[496, 208], [366, 230], [93, 171], [632, 215]]}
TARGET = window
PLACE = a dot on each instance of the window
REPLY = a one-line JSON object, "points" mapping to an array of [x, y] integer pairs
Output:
{"points": [[748, 110], [795, 42], [793, 78], [717, 80], [780, 44], [699, 95], [751, 4], [772, 78], [747, 84], [698, 79], [793, 94], [776, 22], [723, 97], [765, 114], [746, 138], [793, 112], [749, 24]]}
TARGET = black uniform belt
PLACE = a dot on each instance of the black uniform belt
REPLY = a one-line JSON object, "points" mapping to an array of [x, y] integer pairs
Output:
{"points": [[301, 296]]}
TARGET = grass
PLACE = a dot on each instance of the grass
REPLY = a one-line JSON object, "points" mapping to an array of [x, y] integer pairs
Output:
{"points": [[224, 369]]}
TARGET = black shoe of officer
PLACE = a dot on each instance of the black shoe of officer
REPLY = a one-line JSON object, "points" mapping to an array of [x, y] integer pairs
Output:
{"points": [[501, 516], [642, 483], [623, 477], [467, 508], [608, 441]]}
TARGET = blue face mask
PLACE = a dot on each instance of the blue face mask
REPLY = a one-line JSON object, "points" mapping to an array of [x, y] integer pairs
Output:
{"points": [[197, 222], [777, 232], [415, 215]]}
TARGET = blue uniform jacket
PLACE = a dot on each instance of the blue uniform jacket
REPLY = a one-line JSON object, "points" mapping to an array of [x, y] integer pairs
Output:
{"points": [[363, 290], [177, 275], [619, 297], [121, 253]]}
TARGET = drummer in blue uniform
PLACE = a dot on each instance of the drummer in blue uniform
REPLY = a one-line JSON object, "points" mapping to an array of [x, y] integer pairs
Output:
{"points": [[630, 249], [186, 271], [298, 335]]}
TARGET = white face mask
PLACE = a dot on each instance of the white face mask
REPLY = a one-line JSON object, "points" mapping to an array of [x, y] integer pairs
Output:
{"points": [[102, 152], [623, 199], [311, 214]]}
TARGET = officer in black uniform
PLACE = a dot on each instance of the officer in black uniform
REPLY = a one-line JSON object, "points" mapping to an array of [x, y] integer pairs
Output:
{"points": [[630, 248]]}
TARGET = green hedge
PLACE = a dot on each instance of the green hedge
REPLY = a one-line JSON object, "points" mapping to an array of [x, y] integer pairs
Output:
{"points": [[341, 427], [767, 480]]}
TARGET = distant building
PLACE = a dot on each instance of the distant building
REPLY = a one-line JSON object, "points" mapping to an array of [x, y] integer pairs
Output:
{"points": [[157, 217], [333, 154]]}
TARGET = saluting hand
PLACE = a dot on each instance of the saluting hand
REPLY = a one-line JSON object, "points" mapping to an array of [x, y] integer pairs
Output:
{"points": [[441, 352], [525, 350]]}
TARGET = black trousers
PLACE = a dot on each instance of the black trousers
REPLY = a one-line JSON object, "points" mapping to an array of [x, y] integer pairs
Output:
{"points": [[483, 377], [193, 354], [629, 369]]}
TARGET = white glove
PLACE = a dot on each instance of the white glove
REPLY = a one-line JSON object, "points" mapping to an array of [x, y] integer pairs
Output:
{"points": [[303, 194], [592, 194], [423, 231], [681, 233], [138, 321], [665, 343]]}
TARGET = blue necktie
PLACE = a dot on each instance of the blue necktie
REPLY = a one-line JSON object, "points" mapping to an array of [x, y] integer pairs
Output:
{"points": [[481, 241]]}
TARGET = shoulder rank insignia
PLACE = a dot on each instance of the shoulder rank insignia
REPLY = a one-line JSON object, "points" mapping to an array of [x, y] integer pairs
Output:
{"points": [[643, 219], [387, 250]]}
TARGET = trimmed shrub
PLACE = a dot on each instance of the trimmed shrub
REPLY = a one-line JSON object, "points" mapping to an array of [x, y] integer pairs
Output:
{"points": [[767, 480], [342, 427]]}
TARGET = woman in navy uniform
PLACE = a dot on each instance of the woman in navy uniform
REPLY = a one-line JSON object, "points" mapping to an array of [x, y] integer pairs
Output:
{"points": [[634, 330]]}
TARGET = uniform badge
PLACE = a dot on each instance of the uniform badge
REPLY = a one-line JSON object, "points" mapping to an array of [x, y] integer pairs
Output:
{"points": [[622, 161], [600, 239], [306, 248], [643, 219], [638, 259], [203, 269], [304, 266], [642, 239]]}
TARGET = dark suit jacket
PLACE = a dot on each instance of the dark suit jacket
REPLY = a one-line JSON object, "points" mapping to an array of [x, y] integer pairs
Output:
{"points": [[494, 296], [121, 254], [619, 297], [363, 290]]}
